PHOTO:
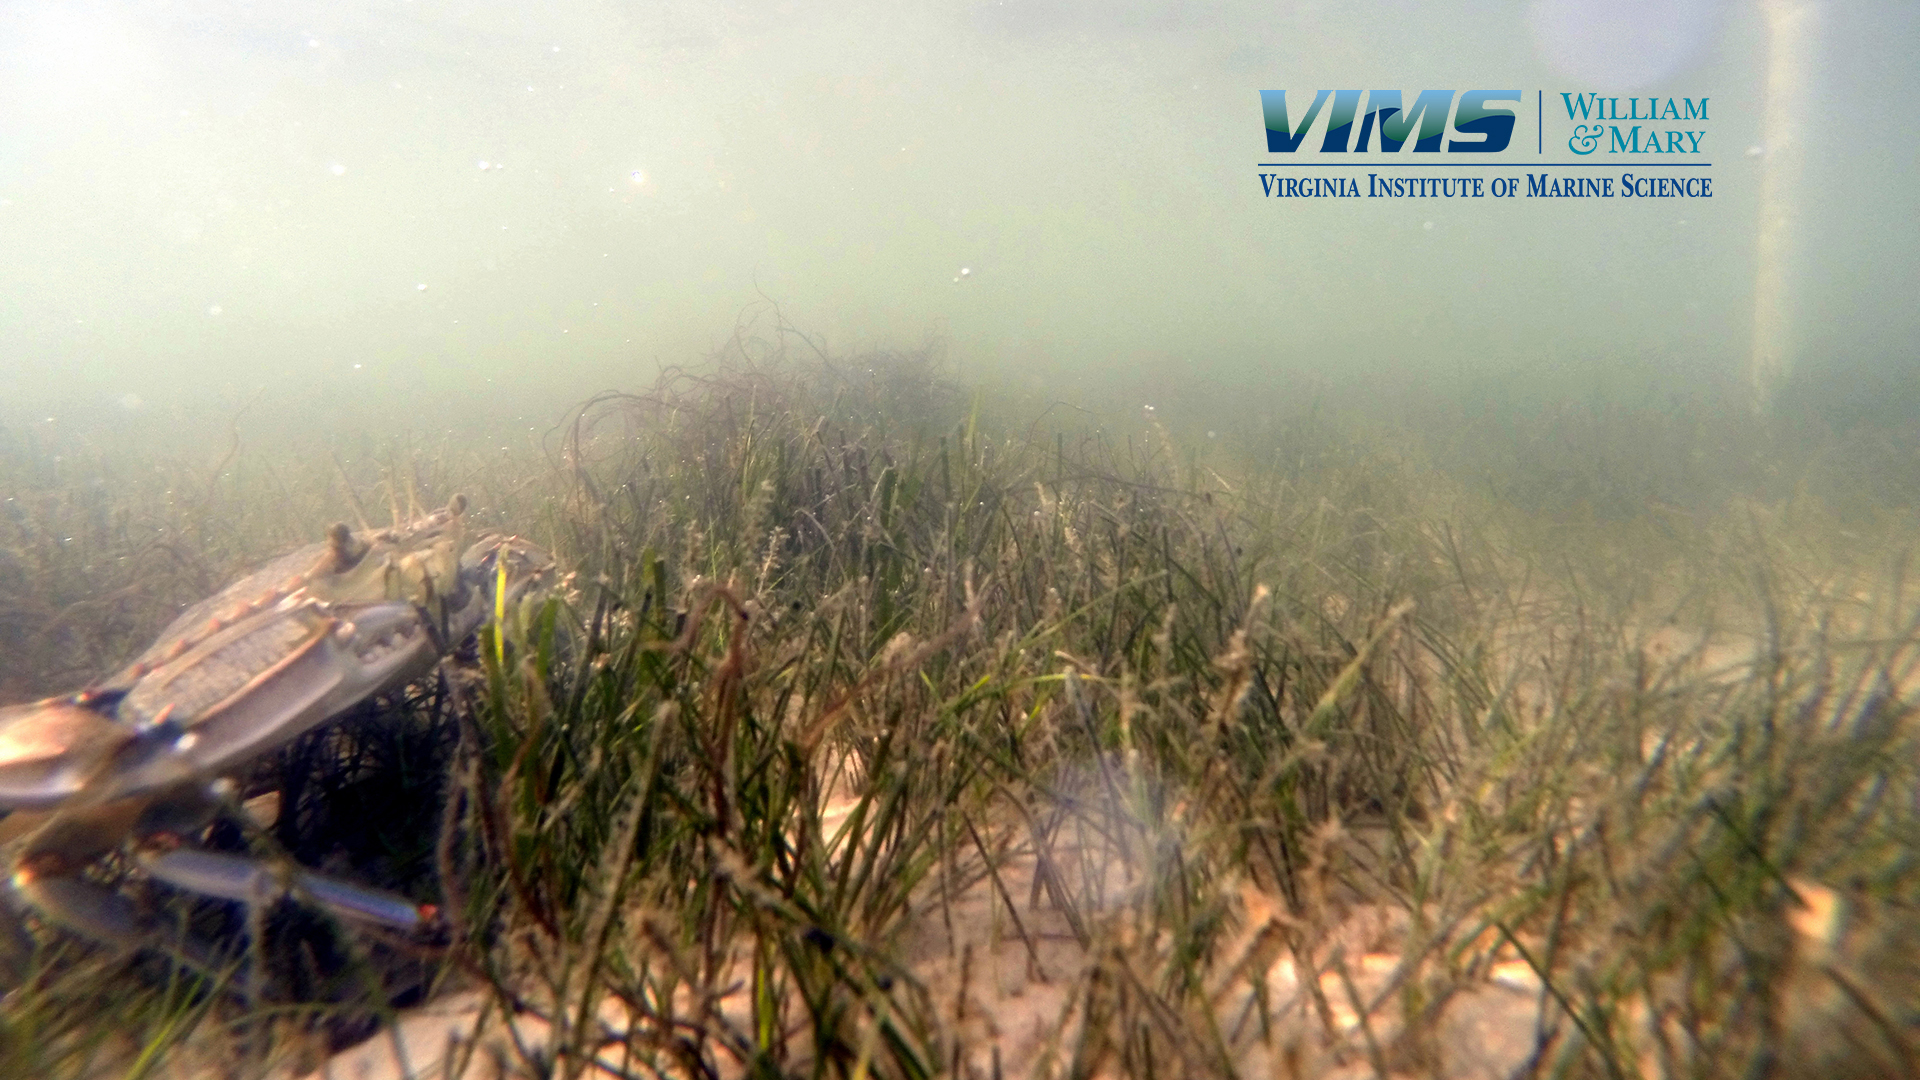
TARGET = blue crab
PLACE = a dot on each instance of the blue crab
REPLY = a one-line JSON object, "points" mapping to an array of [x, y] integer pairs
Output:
{"points": [[140, 761]]}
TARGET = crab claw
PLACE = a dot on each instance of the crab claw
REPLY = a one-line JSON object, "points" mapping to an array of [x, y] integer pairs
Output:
{"points": [[50, 750], [350, 652]]}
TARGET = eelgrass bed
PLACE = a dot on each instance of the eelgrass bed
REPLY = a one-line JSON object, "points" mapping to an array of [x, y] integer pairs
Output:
{"points": [[862, 683]]}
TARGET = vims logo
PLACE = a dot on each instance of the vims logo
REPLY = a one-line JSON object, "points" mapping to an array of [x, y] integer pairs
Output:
{"points": [[1478, 124]]}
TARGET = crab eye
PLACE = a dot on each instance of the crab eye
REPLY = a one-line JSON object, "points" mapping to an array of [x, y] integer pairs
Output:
{"points": [[346, 553]]}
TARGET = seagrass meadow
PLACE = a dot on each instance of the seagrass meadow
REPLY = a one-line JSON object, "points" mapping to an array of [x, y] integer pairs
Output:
{"points": [[887, 726]]}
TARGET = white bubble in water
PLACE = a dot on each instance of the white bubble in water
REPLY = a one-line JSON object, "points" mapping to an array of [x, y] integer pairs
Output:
{"points": [[422, 287], [966, 271], [1428, 226], [132, 402], [484, 166], [337, 169], [639, 176], [216, 309]]}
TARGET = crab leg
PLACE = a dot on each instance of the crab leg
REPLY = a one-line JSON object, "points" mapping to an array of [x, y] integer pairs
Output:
{"points": [[254, 882], [16, 945], [81, 906], [350, 901], [91, 910]]}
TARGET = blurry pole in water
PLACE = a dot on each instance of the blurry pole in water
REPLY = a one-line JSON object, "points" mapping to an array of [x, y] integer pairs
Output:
{"points": [[1791, 25]]}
